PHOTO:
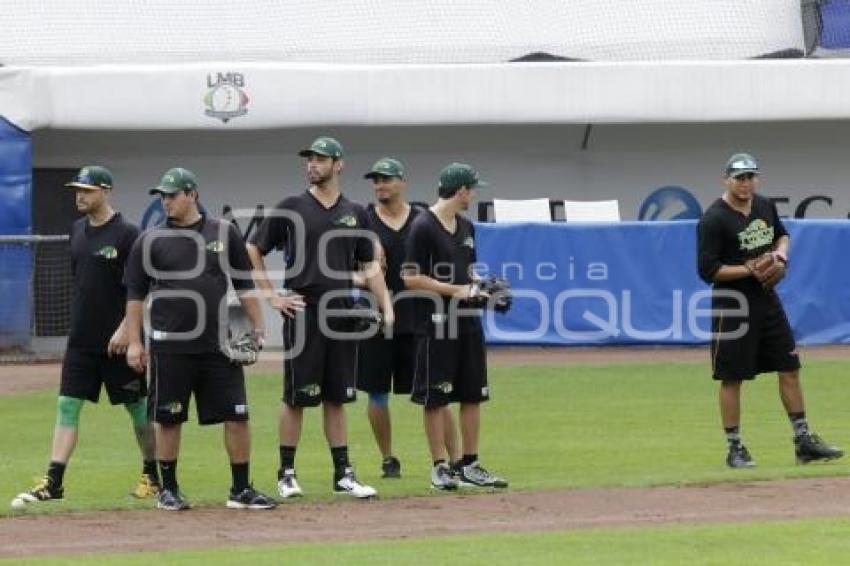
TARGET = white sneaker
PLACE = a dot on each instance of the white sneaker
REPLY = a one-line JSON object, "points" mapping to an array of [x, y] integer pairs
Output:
{"points": [[287, 485], [442, 478], [348, 484]]}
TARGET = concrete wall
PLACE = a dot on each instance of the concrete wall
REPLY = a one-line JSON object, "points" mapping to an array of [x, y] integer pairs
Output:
{"points": [[624, 162]]}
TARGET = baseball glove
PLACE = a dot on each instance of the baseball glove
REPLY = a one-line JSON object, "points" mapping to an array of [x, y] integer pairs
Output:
{"points": [[241, 346], [242, 350], [492, 292], [767, 269]]}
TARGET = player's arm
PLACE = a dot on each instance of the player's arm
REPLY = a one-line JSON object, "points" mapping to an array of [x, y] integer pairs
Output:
{"points": [[709, 248], [119, 341], [358, 278], [137, 358], [287, 304], [138, 284], [375, 282], [240, 265]]}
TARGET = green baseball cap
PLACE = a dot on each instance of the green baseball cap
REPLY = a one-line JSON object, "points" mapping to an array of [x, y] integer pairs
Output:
{"points": [[323, 146], [176, 180], [456, 175], [386, 167], [91, 177], [741, 163]]}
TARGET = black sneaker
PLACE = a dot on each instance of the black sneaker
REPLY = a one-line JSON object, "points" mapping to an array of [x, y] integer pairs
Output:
{"points": [[475, 475], [43, 490], [739, 457], [250, 498], [391, 467], [810, 447], [172, 500]]}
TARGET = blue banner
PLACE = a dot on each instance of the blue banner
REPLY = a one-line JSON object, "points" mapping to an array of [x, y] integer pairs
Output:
{"points": [[636, 283], [15, 218]]}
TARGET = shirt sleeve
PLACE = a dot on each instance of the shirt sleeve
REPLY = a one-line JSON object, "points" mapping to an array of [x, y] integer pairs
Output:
{"points": [[137, 281], [272, 233], [709, 249], [238, 260]]}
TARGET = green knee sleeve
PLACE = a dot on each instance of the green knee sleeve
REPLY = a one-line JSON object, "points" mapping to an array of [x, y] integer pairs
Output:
{"points": [[138, 412], [68, 411]]}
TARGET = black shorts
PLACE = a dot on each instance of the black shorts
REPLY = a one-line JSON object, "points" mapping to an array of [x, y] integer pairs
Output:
{"points": [[451, 370], [218, 386], [386, 365], [767, 346], [319, 368], [84, 371]]}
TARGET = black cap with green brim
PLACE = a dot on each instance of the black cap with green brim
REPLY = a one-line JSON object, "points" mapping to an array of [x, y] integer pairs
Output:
{"points": [[91, 177], [176, 180]]}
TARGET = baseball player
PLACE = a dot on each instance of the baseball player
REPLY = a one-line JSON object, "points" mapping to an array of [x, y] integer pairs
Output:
{"points": [[387, 362], [739, 232], [314, 230], [451, 357], [100, 244], [182, 267]]}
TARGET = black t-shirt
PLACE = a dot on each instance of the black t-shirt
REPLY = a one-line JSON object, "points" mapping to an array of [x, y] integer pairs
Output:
{"points": [[206, 253], [727, 237], [98, 257], [446, 257], [304, 227], [394, 243]]}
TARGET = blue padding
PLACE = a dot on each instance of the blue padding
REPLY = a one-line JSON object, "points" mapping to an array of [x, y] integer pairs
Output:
{"points": [[634, 283], [15, 218], [835, 15]]}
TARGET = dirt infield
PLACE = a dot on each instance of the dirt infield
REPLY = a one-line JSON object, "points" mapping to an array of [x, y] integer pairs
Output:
{"points": [[510, 512]]}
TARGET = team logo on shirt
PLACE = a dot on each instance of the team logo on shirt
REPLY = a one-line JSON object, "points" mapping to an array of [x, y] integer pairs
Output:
{"points": [[469, 242], [349, 221], [215, 247], [757, 235], [107, 252]]}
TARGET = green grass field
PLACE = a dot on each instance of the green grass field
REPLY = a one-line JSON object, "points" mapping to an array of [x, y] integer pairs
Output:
{"points": [[630, 425]]}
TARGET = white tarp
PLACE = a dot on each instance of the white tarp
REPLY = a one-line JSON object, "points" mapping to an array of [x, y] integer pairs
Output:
{"points": [[87, 32], [264, 95]]}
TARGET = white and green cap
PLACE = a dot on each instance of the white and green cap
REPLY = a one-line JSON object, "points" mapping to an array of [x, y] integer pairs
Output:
{"points": [[175, 180], [386, 167], [323, 146], [741, 163]]}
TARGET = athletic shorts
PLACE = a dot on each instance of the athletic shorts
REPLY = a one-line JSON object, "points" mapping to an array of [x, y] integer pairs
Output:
{"points": [[767, 346], [385, 365], [84, 371], [451, 370], [217, 384], [316, 368]]}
